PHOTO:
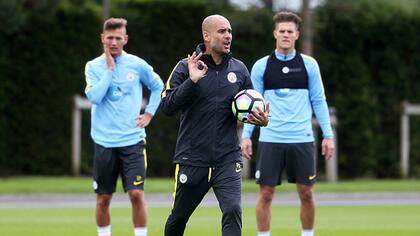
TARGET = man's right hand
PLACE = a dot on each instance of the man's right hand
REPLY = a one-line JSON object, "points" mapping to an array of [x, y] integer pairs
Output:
{"points": [[109, 58], [246, 148], [196, 68]]}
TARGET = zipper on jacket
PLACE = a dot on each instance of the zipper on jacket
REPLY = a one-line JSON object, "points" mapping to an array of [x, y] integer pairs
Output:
{"points": [[215, 130], [117, 64]]}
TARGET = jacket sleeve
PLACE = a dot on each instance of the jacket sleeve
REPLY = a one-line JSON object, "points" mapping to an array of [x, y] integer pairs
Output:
{"points": [[96, 87], [179, 90], [155, 85], [257, 74]]}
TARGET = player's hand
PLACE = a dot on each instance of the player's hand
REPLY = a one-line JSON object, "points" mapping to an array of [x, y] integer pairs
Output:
{"points": [[259, 117], [143, 120], [327, 148], [110, 63], [196, 68], [246, 148]]}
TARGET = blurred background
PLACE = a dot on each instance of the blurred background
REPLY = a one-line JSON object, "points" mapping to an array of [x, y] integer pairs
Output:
{"points": [[368, 52]]}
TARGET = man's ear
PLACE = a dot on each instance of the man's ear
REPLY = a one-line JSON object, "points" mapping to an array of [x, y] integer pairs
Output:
{"points": [[102, 38], [206, 36], [297, 35], [125, 39]]}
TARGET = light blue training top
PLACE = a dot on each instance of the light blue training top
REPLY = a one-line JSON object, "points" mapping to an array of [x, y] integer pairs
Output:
{"points": [[117, 96], [291, 109]]}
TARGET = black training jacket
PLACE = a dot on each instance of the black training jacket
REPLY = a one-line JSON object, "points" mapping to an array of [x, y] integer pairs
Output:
{"points": [[207, 135]]}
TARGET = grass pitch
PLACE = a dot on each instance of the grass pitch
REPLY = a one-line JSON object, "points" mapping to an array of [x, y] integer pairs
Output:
{"points": [[331, 221], [45, 184]]}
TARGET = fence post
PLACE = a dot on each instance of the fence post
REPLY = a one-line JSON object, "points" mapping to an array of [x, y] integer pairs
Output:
{"points": [[76, 138], [79, 104], [405, 140], [331, 168]]}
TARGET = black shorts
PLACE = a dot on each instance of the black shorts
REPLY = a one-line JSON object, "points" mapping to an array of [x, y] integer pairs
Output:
{"points": [[296, 158], [193, 182], [130, 162], [191, 185]]}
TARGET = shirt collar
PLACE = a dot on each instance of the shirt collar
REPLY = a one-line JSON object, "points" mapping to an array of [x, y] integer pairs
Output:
{"points": [[119, 58], [285, 57]]}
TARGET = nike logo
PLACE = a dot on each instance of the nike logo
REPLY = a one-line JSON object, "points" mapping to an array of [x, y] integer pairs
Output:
{"points": [[137, 183], [311, 177], [138, 180]]}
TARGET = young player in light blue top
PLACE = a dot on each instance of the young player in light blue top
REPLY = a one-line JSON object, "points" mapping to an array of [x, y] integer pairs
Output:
{"points": [[117, 97], [115, 83], [291, 109], [291, 83]]}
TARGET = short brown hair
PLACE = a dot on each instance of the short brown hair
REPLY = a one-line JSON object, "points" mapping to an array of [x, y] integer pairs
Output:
{"points": [[285, 16], [114, 23]]}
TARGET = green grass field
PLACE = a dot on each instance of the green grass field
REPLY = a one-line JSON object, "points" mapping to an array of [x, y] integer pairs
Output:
{"points": [[331, 221], [33, 184]]}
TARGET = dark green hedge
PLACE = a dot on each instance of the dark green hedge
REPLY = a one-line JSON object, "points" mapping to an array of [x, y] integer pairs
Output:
{"points": [[369, 57], [41, 68], [368, 54]]}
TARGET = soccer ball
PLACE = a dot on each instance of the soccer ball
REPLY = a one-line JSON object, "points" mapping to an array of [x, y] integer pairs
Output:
{"points": [[244, 102]]}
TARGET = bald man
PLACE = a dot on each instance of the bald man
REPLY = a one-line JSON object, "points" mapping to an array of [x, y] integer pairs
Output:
{"points": [[202, 87]]}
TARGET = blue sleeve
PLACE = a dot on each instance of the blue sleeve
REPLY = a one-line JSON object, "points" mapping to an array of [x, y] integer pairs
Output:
{"points": [[96, 86], [317, 97], [153, 82], [257, 74]]}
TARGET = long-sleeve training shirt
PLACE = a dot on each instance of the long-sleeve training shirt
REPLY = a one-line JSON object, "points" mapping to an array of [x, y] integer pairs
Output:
{"points": [[117, 96], [291, 110]]}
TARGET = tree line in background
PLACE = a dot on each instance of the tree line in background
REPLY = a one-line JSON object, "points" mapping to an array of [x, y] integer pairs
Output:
{"points": [[368, 52]]}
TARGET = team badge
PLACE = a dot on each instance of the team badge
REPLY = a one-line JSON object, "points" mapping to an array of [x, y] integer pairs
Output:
{"points": [[257, 174], [130, 76], [95, 185], [238, 167], [183, 178], [285, 70], [232, 77]]}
